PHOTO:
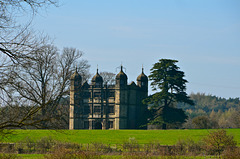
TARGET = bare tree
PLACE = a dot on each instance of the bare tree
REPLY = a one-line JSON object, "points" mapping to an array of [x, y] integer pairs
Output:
{"points": [[82, 65], [108, 77], [40, 85], [217, 141], [16, 40], [18, 44]]}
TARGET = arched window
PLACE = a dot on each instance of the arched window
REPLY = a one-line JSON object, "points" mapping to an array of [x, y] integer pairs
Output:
{"points": [[98, 85]]}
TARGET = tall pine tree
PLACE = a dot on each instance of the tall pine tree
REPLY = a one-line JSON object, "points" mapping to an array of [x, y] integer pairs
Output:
{"points": [[166, 77]]}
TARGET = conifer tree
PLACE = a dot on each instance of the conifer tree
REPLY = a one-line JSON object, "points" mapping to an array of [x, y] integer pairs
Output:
{"points": [[166, 77]]}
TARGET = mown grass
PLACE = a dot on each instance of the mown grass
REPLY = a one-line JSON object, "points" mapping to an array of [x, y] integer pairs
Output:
{"points": [[31, 156], [164, 137]]}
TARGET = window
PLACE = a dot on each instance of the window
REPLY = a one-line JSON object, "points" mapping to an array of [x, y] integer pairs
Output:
{"points": [[97, 109], [86, 109], [110, 124], [86, 94], [86, 124], [104, 94], [111, 109], [98, 85], [143, 84], [111, 94], [97, 94]]}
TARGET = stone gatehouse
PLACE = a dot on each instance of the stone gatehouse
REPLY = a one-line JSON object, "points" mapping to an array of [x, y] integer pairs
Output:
{"points": [[98, 106]]}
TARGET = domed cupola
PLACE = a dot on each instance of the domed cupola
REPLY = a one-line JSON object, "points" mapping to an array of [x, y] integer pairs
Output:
{"points": [[142, 77], [97, 80], [75, 80], [76, 76], [142, 80], [121, 78]]}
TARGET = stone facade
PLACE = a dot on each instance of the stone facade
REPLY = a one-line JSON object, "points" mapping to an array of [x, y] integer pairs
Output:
{"points": [[98, 106]]}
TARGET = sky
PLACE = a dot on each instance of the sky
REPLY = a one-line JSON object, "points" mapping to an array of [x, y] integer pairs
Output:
{"points": [[203, 35]]}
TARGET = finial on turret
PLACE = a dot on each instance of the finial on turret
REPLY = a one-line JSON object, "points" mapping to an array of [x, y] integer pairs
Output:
{"points": [[76, 68], [142, 68], [76, 75], [97, 68], [121, 68]]}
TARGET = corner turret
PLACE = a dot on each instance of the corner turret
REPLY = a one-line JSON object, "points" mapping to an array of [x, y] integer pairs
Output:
{"points": [[76, 80], [97, 80], [121, 78], [142, 80], [75, 99]]}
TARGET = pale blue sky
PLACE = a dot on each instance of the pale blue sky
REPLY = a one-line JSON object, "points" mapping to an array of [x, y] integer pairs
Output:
{"points": [[203, 35]]}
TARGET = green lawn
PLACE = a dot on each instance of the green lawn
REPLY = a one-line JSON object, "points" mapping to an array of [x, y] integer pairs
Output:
{"points": [[31, 156], [164, 137]]}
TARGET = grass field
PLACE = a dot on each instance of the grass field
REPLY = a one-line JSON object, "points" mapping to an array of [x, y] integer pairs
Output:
{"points": [[164, 137], [31, 156]]}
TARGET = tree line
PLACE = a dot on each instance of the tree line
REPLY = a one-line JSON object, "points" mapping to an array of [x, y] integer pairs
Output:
{"points": [[211, 111]]}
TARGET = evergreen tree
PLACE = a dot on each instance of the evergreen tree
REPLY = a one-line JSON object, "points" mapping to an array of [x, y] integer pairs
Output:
{"points": [[166, 77]]}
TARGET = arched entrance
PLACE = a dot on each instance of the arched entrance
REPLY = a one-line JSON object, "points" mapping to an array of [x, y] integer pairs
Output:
{"points": [[98, 125]]}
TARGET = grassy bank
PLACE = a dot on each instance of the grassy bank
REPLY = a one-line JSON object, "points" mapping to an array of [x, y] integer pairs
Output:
{"points": [[164, 137]]}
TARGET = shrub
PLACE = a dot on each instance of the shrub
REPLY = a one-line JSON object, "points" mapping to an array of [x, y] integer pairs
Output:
{"points": [[153, 148], [99, 147], [131, 146], [7, 147], [231, 154], [217, 141], [62, 153], [188, 147], [8, 156], [202, 122], [30, 143], [72, 146], [45, 144], [20, 147]]}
